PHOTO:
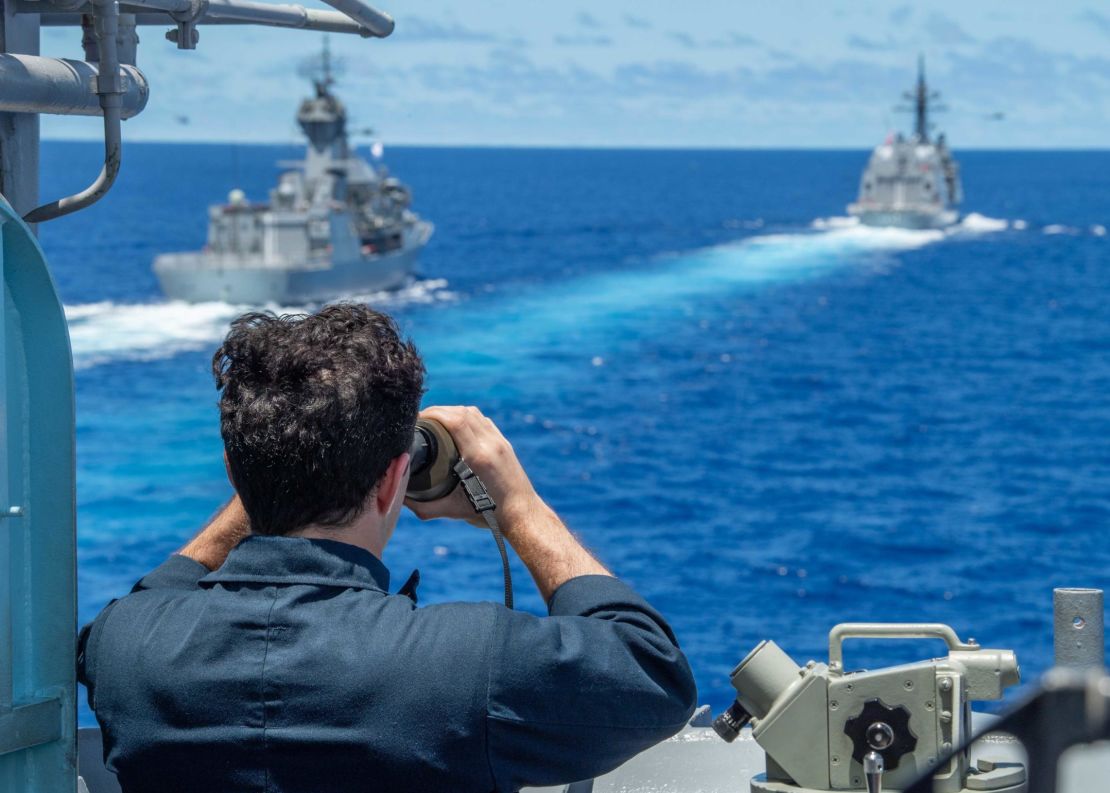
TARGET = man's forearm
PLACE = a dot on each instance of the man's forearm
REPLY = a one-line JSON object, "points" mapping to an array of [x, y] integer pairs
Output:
{"points": [[551, 553], [223, 532], [546, 546]]}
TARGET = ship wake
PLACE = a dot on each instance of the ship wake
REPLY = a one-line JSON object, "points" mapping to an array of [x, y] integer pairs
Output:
{"points": [[107, 331], [526, 342], [526, 323]]}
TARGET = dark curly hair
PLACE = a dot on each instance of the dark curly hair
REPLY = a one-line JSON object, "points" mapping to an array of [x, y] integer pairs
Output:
{"points": [[312, 410]]}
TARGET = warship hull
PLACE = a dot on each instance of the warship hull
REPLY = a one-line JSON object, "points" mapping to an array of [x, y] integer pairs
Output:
{"points": [[204, 277], [904, 218]]}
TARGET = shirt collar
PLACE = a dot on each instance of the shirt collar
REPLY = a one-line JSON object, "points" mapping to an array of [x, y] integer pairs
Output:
{"points": [[299, 560]]}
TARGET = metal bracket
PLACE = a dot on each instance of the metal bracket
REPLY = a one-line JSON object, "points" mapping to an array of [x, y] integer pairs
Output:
{"points": [[1069, 708], [186, 35], [32, 724], [124, 83]]}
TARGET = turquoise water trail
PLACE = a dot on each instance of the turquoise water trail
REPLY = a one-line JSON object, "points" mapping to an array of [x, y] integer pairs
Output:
{"points": [[521, 325]]}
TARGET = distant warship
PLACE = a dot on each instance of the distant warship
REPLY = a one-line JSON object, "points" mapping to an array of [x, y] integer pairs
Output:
{"points": [[911, 183], [334, 225]]}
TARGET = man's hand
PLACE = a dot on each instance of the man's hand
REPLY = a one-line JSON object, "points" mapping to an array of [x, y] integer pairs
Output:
{"points": [[492, 458], [550, 552], [223, 532]]}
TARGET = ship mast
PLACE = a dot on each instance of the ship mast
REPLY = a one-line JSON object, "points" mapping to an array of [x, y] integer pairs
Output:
{"points": [[922, 102], [323, 119], [324, 84], [921, 121]]}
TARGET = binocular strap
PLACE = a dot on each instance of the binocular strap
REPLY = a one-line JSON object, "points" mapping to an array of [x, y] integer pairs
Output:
{"points": [[485, 506]]}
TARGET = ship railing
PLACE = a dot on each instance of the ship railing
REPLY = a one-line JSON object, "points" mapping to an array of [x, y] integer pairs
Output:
{"points": [[221, 12], [221, 260], [108, 84], [899, 206]]}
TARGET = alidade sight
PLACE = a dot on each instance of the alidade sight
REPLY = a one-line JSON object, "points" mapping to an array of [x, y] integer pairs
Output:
{"points": [[825, 729]]}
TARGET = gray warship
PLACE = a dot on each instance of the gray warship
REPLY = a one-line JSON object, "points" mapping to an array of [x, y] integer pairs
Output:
{"points": [[334, 225], [911, 182], [792, 729]]}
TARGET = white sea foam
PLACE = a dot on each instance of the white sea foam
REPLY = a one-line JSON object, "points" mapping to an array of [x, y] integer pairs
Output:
{"points": [[974, 223], [853, 235], [1098, 230], [1020, 225], [981, 223], [1059, 228], [104, 332], [824, 224], [107, 331]]}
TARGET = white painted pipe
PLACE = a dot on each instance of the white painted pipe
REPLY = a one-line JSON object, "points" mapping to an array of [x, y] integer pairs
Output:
{"points": [[109, 90], [34, 84], [377, 22], [1078, 618]]}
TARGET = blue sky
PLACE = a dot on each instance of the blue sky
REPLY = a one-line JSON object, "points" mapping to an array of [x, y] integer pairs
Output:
{"points": [[789, 73]]}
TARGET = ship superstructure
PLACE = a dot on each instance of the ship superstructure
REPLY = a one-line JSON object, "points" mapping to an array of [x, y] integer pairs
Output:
{"points": [[911, 182], [334, 225]]}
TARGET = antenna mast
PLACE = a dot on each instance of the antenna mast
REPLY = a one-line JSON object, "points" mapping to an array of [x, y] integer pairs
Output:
{"points": [[922, 100], [326, 62], [921, 123]]}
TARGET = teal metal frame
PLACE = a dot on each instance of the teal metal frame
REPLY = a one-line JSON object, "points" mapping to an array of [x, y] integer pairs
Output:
{"points": [[38, 542]]}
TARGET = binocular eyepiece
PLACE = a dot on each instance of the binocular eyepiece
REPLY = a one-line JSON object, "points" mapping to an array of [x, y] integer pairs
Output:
{"points": [[432, 467], [435, 471]]}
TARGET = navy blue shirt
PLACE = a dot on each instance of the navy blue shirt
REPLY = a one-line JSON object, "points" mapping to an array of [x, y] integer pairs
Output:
{"points": [[291, 668]]}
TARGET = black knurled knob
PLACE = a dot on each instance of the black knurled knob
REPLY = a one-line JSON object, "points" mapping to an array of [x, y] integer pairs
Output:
{"points": [[883, 729]]}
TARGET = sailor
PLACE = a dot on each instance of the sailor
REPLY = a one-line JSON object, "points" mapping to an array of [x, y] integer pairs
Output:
{"points": [[268, 654]]}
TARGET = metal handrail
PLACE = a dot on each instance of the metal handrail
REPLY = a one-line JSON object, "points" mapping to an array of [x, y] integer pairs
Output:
{"points": [[362, 20], [60, 86], [246, 12], [109, 89], [279, 16], [350, 16], [377, 22]]}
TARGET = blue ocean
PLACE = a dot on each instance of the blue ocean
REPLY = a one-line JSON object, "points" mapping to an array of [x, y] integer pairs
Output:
{"points": [[767, 419]]}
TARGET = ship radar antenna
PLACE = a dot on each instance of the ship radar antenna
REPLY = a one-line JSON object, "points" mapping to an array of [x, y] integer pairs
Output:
{"points": [[321, 70], [923, 102]]}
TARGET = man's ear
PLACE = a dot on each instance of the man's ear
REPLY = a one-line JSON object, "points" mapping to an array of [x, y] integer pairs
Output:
{"points": [[393, 483]]}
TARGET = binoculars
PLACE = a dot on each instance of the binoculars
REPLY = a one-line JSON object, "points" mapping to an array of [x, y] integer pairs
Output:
{"points": [[432, 467]]}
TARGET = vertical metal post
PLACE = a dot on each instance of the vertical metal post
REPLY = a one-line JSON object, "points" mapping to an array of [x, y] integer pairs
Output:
{"points": [[1079, 628], [19, 132], [6, 646], [38, 577]]}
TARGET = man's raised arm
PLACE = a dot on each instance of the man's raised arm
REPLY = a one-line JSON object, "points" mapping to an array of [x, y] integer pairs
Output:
{"points": [[214, 542], [577, 693], [548, 549]]}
